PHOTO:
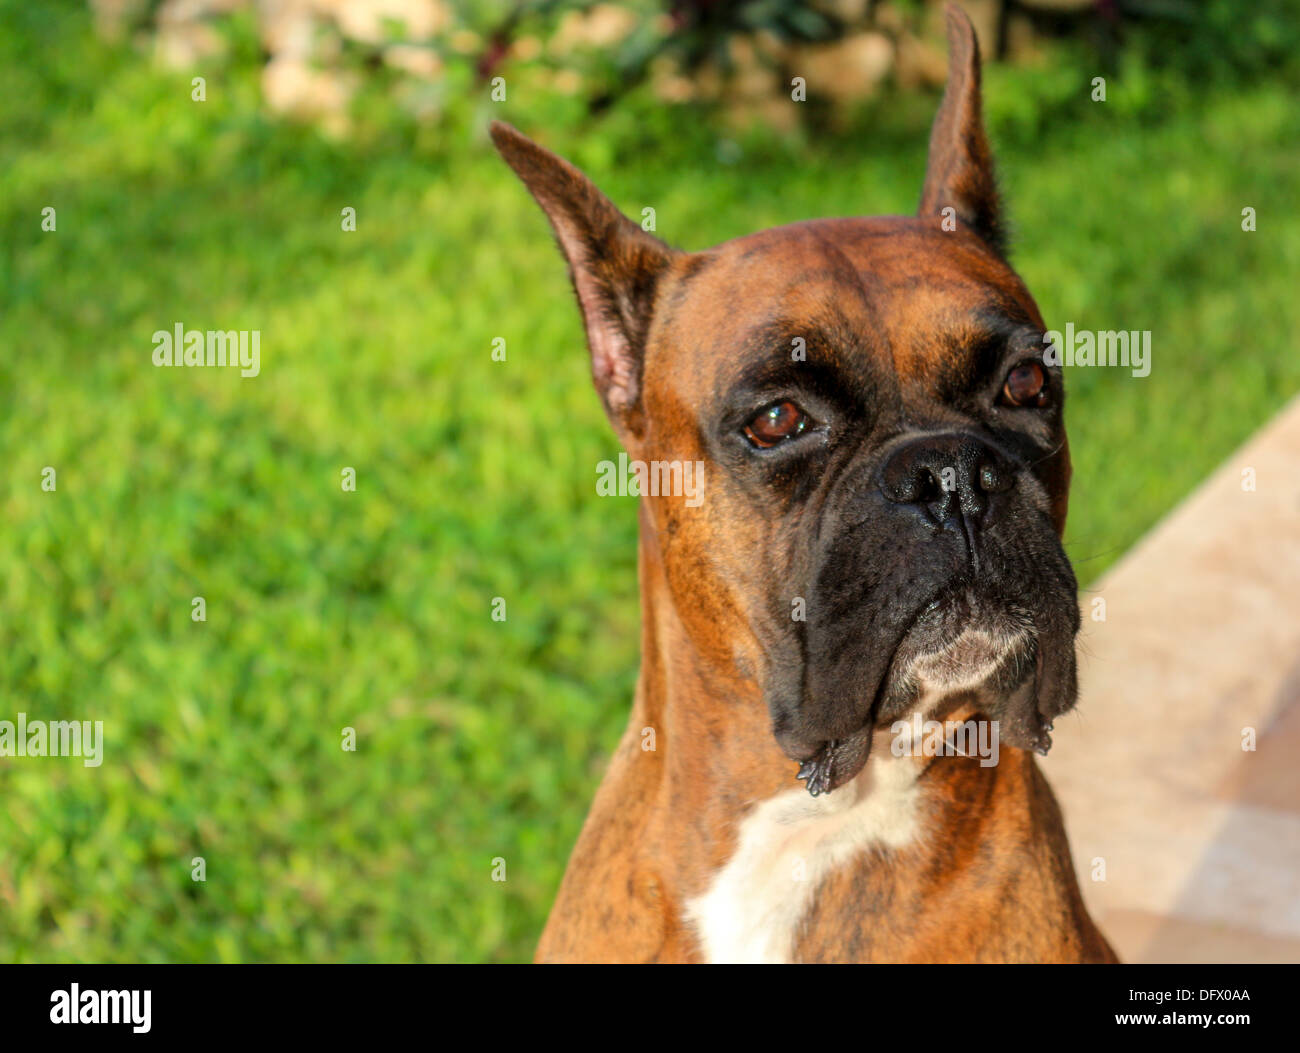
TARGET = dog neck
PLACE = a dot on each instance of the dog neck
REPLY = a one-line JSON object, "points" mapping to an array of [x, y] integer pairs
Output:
{"points": [[715, 759], [714, 755], [702, 845], [735, 842]]}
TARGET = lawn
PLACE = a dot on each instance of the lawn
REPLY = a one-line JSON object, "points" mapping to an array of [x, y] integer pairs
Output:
{"points": [[477, 740]]}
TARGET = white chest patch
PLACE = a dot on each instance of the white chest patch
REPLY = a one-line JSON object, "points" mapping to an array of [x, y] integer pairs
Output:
{"points": [[788, 845]]}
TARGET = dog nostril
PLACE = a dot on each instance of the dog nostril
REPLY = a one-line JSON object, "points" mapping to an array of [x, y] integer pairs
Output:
{"points": [[911, 487], [924, 486], [993, 481]]}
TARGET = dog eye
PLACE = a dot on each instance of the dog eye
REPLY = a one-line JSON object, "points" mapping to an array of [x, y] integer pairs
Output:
{"points": [[1026, 385], [780, 421]]}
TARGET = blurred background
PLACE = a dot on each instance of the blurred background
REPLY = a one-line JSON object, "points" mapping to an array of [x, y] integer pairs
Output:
{"points": [[219, 203]]}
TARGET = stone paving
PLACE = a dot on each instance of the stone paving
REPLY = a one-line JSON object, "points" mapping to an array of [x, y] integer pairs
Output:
{"points": [[1200, 647]]}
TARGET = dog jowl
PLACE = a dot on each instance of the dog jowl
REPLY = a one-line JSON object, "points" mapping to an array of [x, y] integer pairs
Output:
{"points": [[879, 534]]}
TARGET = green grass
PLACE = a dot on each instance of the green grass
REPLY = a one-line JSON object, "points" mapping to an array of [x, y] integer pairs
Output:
{"points": [[326, 609]]}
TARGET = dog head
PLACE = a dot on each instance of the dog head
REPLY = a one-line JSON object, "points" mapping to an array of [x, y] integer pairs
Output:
{"points": [[887, 467]]}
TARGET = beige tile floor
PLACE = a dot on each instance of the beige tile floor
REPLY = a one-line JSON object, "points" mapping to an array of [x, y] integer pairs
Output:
{"points": [[1199, 838]]}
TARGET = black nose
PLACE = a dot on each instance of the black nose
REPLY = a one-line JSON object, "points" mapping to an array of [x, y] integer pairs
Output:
{"points": [[948, 477]]}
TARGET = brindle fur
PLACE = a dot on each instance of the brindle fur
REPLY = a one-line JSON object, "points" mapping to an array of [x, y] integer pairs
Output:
{"points": [[905, 324]]}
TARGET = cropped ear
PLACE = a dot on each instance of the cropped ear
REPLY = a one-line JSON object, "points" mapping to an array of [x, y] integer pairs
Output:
{"points": [[615, 267], [959, 173]]}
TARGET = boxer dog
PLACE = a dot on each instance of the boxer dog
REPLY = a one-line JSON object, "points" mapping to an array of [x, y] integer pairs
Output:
{"points": [[878, 541]]}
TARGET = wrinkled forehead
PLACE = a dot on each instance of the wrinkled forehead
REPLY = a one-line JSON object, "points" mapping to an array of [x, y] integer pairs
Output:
{"points": [[892, 296]]}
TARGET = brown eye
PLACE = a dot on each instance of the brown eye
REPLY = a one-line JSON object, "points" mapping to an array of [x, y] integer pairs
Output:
{"points": [[782, 421], [1026, 385]]}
